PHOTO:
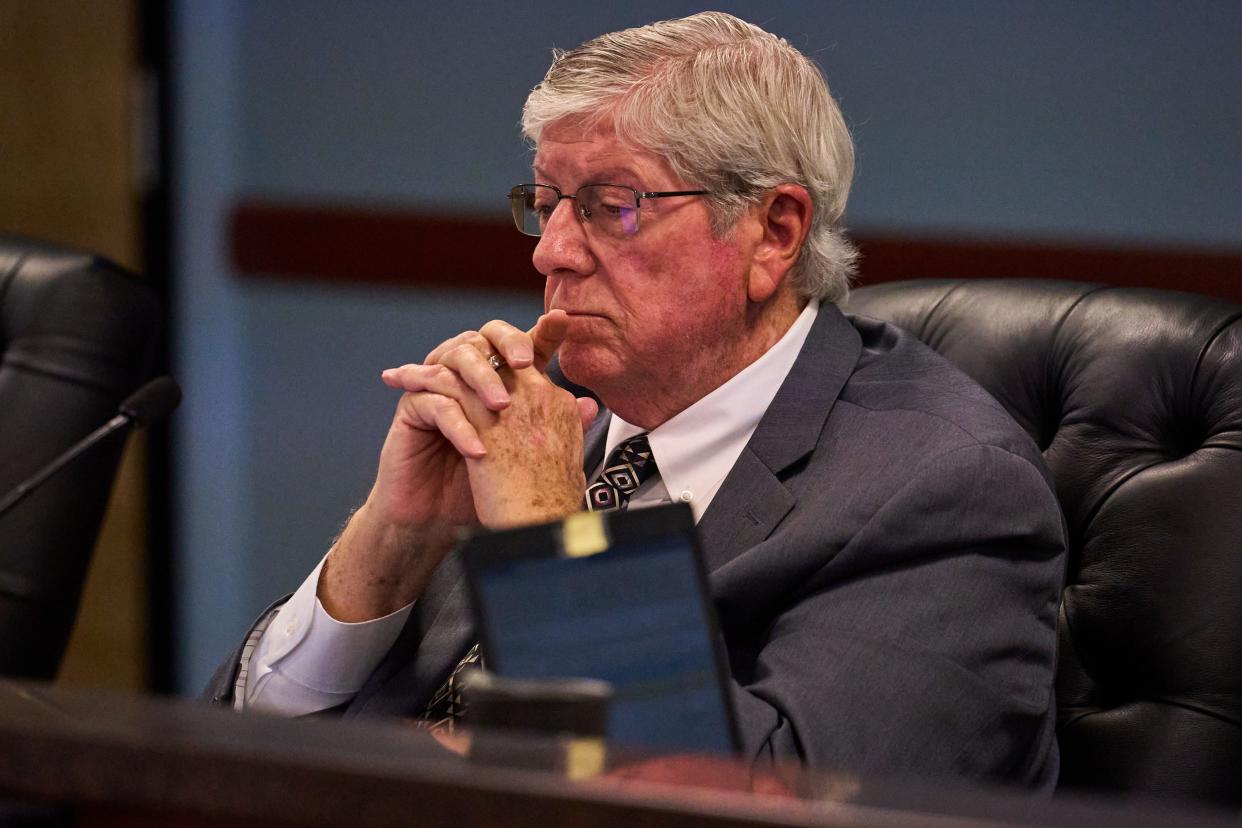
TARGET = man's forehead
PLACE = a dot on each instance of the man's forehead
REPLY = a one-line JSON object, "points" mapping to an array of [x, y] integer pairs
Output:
{"points": [[569, 144], [572, 149]]}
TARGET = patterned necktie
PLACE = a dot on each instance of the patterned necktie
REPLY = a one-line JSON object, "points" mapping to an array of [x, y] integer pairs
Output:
{"points": [[630, 464]]}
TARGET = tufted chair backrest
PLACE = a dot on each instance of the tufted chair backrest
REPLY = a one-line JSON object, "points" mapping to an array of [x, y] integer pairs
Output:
{"points": [[77, 336], [1135, 397]]}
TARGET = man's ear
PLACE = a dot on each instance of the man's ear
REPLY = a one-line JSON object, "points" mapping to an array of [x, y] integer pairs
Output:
{"points": [[785, 217]]}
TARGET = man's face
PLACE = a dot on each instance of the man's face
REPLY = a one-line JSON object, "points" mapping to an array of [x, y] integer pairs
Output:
{"points": [[651, 314]]}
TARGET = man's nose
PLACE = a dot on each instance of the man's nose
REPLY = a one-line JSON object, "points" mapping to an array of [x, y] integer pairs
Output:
{"points": [[562, 246]]}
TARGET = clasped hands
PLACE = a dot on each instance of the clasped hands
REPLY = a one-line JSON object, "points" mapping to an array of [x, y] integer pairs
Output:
{"points": [[468, 444]]}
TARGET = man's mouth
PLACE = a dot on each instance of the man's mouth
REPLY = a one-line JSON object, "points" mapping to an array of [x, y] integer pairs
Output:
{"points": [[583, 314]]}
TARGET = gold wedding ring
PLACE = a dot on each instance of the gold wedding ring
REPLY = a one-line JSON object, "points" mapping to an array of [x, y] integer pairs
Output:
{"points": [[496, 361]]}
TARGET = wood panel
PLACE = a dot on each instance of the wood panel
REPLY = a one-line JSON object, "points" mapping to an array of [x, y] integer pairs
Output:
{"points": [[65, 75]]}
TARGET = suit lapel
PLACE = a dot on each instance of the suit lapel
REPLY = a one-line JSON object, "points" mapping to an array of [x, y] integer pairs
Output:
{"points": [[753, 500], [744, 511], [594, 440]]}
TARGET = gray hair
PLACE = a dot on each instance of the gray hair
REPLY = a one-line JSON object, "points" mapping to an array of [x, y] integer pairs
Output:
{"points": [[734, 109]]}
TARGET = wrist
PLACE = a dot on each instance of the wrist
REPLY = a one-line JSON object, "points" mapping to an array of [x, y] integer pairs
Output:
{"points": [[378, 566], [524, 506]]}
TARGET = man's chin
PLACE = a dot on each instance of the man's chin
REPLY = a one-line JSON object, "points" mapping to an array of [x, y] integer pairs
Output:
{"points": [[587, 365]]}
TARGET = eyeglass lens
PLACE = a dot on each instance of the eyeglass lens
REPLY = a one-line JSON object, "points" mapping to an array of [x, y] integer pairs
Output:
{"points": [[610, 209]]}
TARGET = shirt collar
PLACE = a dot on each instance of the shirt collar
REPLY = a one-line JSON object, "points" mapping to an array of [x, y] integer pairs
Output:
{"points": [[695, 449]]}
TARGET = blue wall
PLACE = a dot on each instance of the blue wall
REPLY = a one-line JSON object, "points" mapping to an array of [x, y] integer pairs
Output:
{"points": [[1102, 122]]}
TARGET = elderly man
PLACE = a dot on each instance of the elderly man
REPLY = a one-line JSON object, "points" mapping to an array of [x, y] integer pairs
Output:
{"points": [[884, 547]]}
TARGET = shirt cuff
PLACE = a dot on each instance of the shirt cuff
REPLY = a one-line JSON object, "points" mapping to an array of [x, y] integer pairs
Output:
{"points": [[306, 660]]}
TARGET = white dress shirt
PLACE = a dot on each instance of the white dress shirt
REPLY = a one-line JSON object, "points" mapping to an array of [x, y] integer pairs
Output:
{"points": [[307, 661]]}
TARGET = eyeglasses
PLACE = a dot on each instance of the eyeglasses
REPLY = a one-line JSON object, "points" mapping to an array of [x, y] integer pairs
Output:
{"points": [[613, 209]]}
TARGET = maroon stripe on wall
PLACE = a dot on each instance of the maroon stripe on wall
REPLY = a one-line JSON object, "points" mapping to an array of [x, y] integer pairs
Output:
{"points": [[403, 247], [378, 246], [1214, 273]]}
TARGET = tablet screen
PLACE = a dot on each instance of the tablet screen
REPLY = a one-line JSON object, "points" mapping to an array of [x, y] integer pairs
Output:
{"points": [[634, 615]]}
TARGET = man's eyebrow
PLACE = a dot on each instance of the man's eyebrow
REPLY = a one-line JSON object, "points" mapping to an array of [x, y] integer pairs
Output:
{"points": [[613, 175]]}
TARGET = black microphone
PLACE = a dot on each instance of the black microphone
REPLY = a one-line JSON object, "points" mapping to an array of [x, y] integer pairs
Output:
{"points": [[149, 403]]}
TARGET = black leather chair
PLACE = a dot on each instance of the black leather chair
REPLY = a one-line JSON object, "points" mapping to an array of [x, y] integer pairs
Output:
{"points": [[1135, 397], [77, 335]]}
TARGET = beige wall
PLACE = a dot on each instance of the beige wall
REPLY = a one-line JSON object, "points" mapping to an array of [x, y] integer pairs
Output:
{"points": [[67, 68]]}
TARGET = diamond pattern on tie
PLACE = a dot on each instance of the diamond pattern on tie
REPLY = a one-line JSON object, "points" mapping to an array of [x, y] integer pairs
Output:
{"points": [[630, 464], [447, 705]]}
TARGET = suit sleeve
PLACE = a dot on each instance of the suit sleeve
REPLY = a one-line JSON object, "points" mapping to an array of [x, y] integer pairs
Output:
{"points": [[927, 644], [220, 687]]}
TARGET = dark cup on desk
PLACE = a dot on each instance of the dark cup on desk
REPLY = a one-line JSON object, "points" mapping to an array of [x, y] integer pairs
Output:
{"points": [[546, 724]]}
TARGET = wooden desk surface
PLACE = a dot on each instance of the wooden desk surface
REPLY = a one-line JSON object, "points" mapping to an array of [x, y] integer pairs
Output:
{"points": [[117, 759]]}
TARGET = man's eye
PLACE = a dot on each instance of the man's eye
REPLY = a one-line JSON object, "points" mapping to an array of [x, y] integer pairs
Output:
{"points": [[616, 210]]}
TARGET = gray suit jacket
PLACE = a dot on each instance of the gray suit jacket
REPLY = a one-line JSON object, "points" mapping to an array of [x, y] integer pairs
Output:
{"points": [[886, 558]]}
